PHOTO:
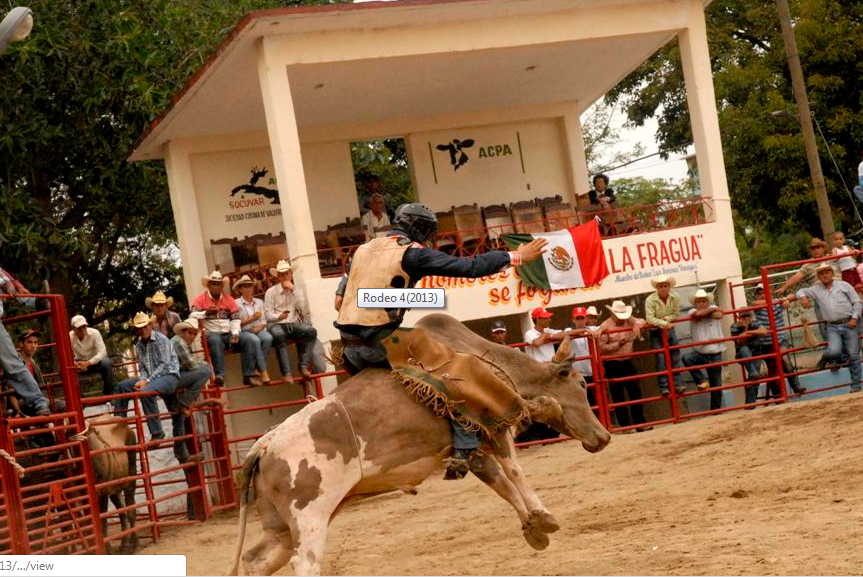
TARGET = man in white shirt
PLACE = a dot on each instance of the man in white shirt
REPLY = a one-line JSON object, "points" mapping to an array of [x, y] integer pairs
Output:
{"points": [[375, 221], [91, 356], [541, 338], [286, 311], [706, 326]]}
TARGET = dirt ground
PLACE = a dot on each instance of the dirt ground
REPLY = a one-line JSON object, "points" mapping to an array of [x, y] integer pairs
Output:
{"points": [[772, 491]]}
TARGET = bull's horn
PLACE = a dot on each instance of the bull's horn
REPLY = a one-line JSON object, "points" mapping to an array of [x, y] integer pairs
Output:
{"points": [[82, 436], [564, 351]]}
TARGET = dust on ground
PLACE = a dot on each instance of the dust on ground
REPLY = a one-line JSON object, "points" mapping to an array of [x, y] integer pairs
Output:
{"points": [[770, 491]]}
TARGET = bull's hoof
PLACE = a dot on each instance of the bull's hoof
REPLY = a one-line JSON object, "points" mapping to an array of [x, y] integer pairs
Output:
{"points": [[534, 536], [544, 521]]}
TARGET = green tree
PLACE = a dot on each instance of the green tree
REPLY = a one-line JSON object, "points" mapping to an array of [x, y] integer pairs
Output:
{"points": [[768, 176], [639, 190], [74, 98], [386, 161]]}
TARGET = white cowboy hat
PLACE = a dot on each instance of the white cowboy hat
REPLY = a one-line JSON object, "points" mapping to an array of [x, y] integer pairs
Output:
{"points": [[141, 320], [281, 266], [620, 309], [592, 312], [159, 298], [823, 266], [215, 277], [78, 321], [702, 294], [189, 323], [243, 280], [663, 279]]}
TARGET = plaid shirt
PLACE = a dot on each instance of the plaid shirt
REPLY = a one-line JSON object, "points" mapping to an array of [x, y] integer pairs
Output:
{"points": [[157, 357], [185, 356]]}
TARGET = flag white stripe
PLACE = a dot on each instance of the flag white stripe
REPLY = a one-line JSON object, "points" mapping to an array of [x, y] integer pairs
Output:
{"points": [[563, 271]]}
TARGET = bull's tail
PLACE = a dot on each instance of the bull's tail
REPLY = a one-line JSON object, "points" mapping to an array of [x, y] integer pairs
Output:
{"points": [[245, 482]]}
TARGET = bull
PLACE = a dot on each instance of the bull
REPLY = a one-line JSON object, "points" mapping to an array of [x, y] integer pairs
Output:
{"points": [[370, 437], [117, 463]]}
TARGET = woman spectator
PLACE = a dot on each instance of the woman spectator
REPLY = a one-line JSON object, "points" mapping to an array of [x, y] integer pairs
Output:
{"points": [[253, 326]]}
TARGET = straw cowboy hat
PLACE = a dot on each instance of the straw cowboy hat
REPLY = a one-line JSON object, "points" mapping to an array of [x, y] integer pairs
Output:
{"points": [[141, 320], [214, 277], [663, 279], [189, 323], [159, 298], [702, 294], [243, 280], [823, 266], [281, 266], [620, 309]]}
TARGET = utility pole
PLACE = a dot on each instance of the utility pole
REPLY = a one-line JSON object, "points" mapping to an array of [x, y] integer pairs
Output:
{"points": [[825, 215]]}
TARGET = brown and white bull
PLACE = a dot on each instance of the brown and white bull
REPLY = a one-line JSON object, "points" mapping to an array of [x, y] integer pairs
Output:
{"points": [[371, 437], [119, 463]]}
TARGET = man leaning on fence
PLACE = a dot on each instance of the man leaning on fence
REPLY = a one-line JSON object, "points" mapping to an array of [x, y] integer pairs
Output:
{"points": [[838, 306], [661, 308]]}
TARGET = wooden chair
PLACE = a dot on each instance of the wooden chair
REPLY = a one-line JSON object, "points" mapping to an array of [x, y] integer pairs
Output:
{"points": [[446, 239], [549, 201], [527, 217], [469, 225], [498, 221], [559, 216]]}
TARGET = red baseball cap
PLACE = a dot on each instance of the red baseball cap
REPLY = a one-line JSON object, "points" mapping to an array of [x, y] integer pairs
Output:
{"points": [[579, 312], [540, 313]]}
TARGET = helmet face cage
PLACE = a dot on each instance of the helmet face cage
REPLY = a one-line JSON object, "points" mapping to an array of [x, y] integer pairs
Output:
{"points": [[416, 220]]}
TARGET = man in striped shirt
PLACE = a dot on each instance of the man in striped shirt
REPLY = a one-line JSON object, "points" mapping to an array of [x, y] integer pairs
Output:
{"points": [[763, 344]]}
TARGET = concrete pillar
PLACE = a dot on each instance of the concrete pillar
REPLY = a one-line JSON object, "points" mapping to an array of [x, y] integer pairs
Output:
{"points": [[701, 99], [184, 203], [288, 161], [579, 174]]}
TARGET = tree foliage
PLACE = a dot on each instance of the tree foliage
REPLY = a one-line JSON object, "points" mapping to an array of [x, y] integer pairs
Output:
{"points": [[387, 161], [768, 176], [74, 98]]}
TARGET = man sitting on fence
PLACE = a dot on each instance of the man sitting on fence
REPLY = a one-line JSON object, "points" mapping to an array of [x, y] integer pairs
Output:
{"points": [[91, 355], [706, 325], [763, 343], [164, 318], [159, 371], [747, 331], [286, 309], [221, 316], [838, 306]]}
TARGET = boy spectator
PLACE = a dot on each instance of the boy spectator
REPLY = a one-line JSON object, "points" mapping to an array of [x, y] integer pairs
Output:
{"points": [[541, 338], [662, 307], [619, 332], [221, 317], [838, 306], [254, 330], [165, 319], [498, 332], [159, 368], [285, 308], [763, 343], [746, 331], [706, 326], [90, 353], [847, 264]]}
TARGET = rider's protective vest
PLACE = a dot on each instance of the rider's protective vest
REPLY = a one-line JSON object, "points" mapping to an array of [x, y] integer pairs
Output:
{"points": [[376, 264]]}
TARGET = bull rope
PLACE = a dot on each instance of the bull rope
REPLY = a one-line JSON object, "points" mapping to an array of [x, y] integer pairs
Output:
{"points": [[15, 465]]}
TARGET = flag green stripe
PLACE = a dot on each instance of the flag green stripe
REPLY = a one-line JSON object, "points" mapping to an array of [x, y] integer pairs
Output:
{"points": [[532, 273]]}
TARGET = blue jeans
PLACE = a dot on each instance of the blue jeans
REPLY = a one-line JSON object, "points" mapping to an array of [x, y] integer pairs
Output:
{"points": [[218, 342], [694, 358], [751, 371], [164, 385], [190, 384], [20, 377], [105, 368], [656, 343], [305, 336], [253, 351], [843, 339]]}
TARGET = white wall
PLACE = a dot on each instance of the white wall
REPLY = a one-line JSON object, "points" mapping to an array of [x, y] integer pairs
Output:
{"points": [[507, 163]]}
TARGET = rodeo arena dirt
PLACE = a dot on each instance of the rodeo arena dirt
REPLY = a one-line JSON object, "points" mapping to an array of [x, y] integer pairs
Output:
{"points": [[728, 491]]}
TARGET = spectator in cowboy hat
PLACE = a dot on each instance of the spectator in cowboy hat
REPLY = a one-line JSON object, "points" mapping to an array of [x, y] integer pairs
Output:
{"points": [[619, 332], [91, 356], [541, 338], [286, 311], [254, 328], [221, 319], [194, 373], [498, 332], [159, 370], [706, 325], [661, 308], [806, 273], [164, 318], [592, 317]]}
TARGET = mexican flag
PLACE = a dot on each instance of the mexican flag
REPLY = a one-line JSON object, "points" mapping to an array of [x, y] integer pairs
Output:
{"points": [[573, 258]]}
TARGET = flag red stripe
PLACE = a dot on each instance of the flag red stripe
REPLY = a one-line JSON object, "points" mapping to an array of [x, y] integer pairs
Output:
{"points": [[591, 256]]}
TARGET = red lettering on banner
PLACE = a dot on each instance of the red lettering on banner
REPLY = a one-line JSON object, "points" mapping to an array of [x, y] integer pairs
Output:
{"points": [[641, 256], [696, 252], [664, 257], [505, 294], [651, 254], [627, 260]]}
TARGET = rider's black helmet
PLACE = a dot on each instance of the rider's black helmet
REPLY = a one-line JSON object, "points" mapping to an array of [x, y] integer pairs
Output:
{"points": [[415, 220]]}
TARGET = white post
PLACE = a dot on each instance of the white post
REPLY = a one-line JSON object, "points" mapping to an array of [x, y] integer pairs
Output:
{"points": [[579, 174], [288, 162], [184, 203], [701, 99]]}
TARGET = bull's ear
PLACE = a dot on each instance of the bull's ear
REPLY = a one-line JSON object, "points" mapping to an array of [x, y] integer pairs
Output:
{"points": [[562, 370], [564, 351]]}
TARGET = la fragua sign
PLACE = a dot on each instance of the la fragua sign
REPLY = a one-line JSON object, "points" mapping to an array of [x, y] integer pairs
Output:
{"points": [[628, 261]]}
